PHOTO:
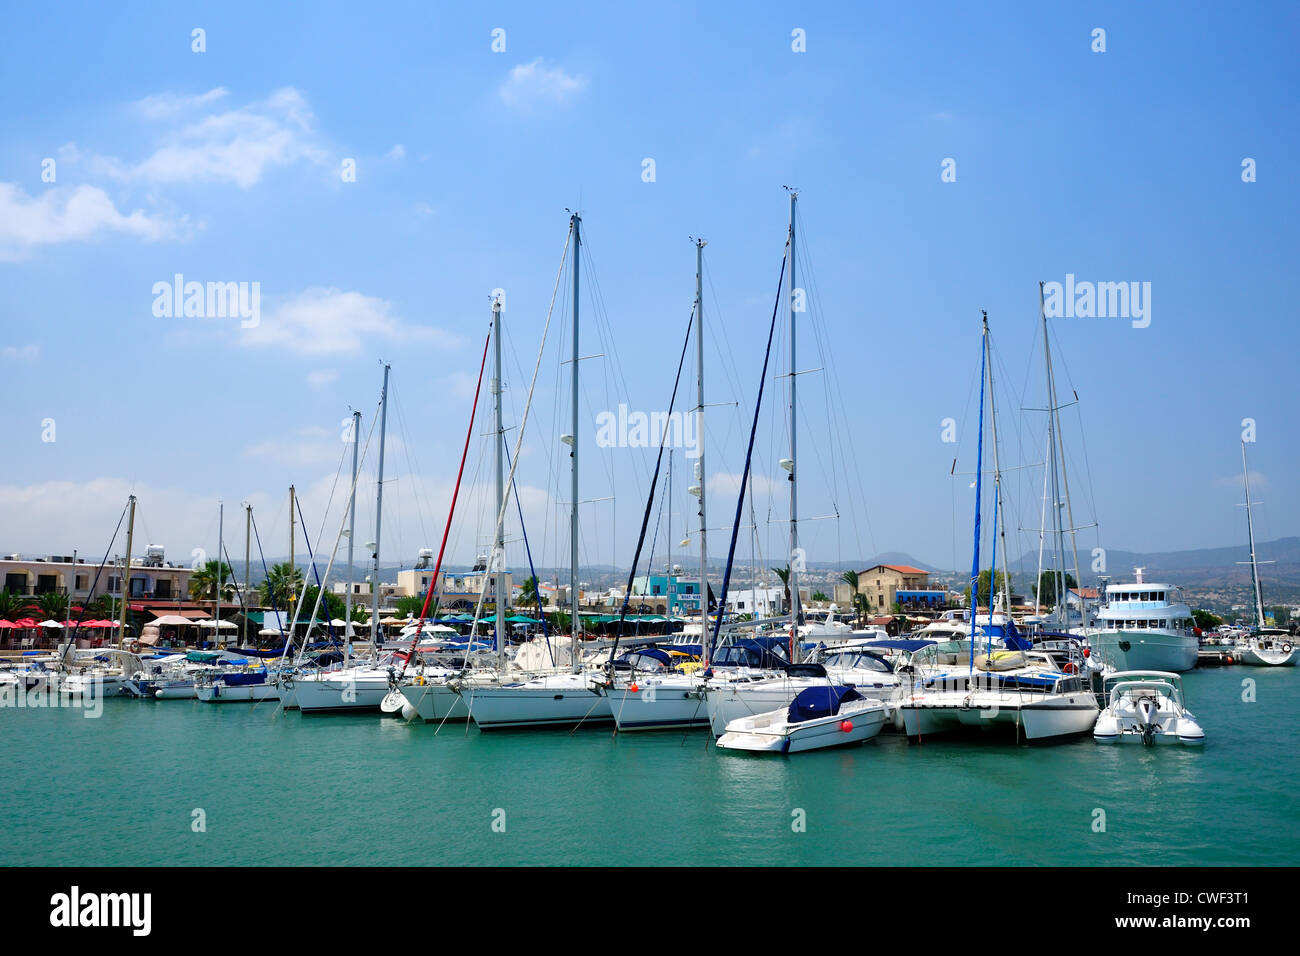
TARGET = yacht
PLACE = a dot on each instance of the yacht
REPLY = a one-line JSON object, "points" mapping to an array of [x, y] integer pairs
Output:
{"points": [[1144, 626], [1267, 647], [1146, 707]]}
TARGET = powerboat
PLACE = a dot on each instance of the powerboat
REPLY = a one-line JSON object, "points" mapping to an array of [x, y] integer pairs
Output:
{"points": [[829, 715], [1146, 707]]}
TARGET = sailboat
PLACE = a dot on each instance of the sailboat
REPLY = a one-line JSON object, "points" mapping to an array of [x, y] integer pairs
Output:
{"points": [[1012, 686], [563, 698], [1264, 646], [359, 684]]}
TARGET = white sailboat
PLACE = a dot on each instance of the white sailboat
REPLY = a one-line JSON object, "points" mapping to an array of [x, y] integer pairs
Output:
{"points": [[1264, 646]]}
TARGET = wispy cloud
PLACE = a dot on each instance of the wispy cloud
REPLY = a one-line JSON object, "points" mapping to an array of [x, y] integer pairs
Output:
{"points": [[397, 152], [534, 84], [322, 321], [320, 379], [65, 214], [21, 353], [200, 144]]}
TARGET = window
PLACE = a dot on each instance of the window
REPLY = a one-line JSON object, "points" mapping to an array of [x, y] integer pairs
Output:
{"points": [[81, 582]]}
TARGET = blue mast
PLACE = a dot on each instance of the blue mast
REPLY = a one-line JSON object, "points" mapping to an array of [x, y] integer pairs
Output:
{"points": [[979, 488]]}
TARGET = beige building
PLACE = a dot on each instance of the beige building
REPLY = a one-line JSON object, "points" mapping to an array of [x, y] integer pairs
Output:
{"points": [[150, 579], [887, 584]]}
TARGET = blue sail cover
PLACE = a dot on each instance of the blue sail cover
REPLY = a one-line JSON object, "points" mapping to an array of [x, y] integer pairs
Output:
{"points": [[814, 702]]}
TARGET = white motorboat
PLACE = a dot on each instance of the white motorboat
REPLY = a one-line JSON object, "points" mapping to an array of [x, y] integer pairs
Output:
{"points": [[1144, 626], [829, 715], [1019, 690], [1146, 707]]}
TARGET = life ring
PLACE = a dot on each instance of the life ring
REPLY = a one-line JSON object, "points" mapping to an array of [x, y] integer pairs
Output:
{"points": [[135, 647], [1286, 648], [1067, 667]]}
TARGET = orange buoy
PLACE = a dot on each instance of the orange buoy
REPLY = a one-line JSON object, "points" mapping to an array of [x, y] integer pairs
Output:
{"points": [[632, 687]]}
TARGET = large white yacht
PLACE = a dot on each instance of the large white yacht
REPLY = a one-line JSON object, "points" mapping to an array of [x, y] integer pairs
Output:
{"points": [[1144, 626]]}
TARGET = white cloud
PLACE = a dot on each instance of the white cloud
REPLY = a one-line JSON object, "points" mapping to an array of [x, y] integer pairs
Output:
{"points": [[533, 84], [329, 321], [322, 378], [397, 152], [238, 145], [21, 353], [164, 105], [727, 484], [65, 214]]}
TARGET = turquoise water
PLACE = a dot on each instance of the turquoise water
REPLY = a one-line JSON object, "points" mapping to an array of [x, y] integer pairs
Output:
{"points": [[122, 789]]}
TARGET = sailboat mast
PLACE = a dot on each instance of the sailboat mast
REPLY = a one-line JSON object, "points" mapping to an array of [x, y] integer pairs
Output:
{"points": [[248, 559], [221, 549], [793, 575], [999, 518], [576, 223], [706, 655], [1058, 539], [379, 513], [293, 524], [352, 536], [1250, 529], [126, 573], [497, 564]]}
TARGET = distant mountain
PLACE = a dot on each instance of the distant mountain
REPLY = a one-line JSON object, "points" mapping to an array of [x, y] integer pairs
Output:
{"points": [[1120, 564]]}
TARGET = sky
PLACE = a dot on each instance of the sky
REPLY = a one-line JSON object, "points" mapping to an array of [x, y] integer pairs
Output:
{"points": [[377, 171]]}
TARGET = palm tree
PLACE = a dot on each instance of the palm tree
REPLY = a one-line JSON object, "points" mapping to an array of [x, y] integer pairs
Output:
{"points": [[203, 582], [283, 583], [528, 591], [851, 579], [53, 605], [14, 606], [784, 575]]}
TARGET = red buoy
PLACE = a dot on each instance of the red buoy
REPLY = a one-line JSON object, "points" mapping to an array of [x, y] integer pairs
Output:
{"points": [[846, 725], [632, 688]]}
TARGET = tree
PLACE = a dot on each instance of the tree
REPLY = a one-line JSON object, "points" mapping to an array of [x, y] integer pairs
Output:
{"points": [[784, 575], [409, 605], [1205, 620], [53, 605], [985, 577], [857, 600], [203, 582], [528, 591], [1046, 589], [819, 596], [860, 605], [14, 606], [282, 585]]}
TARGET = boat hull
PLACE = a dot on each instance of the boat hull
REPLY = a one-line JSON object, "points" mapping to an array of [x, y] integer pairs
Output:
{"points": [[1145, 650], [435, 701], [769, 733], [668, 705], [505, 706], [221, 693]]}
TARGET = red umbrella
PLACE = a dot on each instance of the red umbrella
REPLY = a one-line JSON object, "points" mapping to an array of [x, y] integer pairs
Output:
{"points": [[7, 624], [25, 622]]}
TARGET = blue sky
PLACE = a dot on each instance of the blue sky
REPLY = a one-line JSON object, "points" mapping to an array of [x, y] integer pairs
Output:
{"points": [[1123, 165]]}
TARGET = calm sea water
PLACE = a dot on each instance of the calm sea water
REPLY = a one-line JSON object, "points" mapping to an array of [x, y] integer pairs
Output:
{"points": [[122, 790]]}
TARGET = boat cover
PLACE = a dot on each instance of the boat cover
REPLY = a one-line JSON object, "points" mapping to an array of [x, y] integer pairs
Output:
{"points": [[814, 702]]}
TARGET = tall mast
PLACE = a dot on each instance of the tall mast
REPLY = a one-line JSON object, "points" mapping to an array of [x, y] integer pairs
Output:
{"points": [[1058, 538], [352, 535], [576, 224], [248, 560], [998, 516], [293, 524], [1250, 528], [699, 462], [221, 548], [794, 456], [379, 513], [496, 567], [126, 573]]}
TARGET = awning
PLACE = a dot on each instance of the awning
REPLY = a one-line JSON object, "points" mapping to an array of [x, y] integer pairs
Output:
{"points": [[187, 615], [172, 620]]}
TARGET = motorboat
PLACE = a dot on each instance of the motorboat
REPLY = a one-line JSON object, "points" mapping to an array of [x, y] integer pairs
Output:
{"points": [[1146, 707], [829, 715]]}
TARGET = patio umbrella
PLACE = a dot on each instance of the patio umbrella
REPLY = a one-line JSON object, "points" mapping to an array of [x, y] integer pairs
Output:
{"points": [[24, 622], [170, 620], [50, 624], [7, 624], [223, 625]]}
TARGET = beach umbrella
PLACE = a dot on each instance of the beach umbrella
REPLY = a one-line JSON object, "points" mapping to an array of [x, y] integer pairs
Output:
{"points": [[50, 624], [24, 622]]}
